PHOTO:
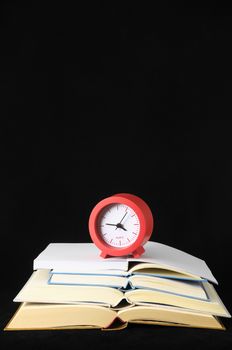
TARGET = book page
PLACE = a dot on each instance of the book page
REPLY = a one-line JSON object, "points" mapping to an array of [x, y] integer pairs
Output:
{"points": [[37, 290], [45, 316], [169, 314], [88, 280], [213, 305], [76, 257], [150, 269], [164, 255], [185, 288]]}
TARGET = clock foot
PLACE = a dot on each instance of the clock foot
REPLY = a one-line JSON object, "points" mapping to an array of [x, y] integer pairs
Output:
{"points": [[138, 252], [103, 255]]}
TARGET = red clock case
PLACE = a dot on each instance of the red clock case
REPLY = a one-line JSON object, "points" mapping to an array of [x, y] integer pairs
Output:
{"points": [[146, 225]]}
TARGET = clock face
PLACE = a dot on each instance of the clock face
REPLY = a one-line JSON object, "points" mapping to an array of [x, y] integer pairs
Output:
{"points": [[118, 225]]}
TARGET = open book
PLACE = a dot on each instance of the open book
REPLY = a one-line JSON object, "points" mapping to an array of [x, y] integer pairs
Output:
{"points": [[158, 260], [193, 289], [34, 316], [38, 290]]}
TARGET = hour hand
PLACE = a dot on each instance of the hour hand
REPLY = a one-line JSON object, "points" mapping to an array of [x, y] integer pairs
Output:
{"points": [[117, 226]]}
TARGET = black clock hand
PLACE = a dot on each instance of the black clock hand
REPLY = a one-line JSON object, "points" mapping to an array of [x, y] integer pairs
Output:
{"points": [[117, 226], [119, 221], [120, 226], [123, 217]]}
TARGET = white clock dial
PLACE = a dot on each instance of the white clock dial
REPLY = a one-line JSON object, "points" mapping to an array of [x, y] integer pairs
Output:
{"points": [[119, 225]]}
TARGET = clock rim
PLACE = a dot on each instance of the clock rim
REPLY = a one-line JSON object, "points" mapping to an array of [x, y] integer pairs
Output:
{"points": [[141, 209]]}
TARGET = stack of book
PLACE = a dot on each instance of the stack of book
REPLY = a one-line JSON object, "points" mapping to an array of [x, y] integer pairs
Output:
{"points": [[71, 286]]}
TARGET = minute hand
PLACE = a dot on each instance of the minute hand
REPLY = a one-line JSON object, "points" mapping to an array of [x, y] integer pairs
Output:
{"points": [[123, 217]]}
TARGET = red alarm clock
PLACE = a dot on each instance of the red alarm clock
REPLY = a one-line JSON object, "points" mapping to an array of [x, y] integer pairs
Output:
{"points": [[120, 225]]}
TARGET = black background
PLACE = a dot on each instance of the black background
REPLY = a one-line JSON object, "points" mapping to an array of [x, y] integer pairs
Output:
{"points": [[101, 99]]}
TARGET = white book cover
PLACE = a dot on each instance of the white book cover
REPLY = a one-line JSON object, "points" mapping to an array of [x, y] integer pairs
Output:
{"points": [[85, 257]]}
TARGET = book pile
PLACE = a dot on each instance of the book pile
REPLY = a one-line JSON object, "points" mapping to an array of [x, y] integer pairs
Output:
{"points": [[72, 287]]}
